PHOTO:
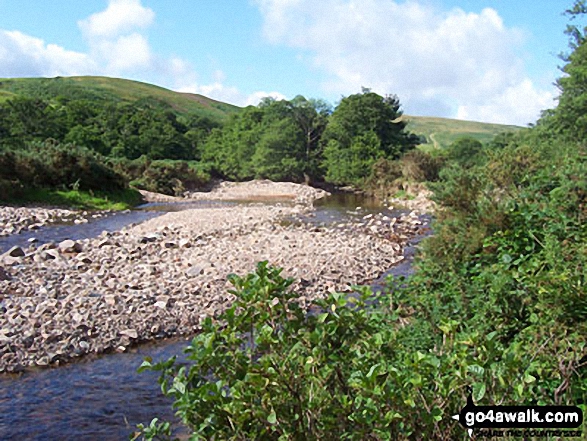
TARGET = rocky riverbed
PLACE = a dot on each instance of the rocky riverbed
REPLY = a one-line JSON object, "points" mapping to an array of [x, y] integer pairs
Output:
{"points": [[14, 220], [162, 277]]}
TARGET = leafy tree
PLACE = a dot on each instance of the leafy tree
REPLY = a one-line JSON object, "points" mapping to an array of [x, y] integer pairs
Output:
{"points": [[279, 155], [30, 119], [311, 116], [466, 151], [230, 150], [363, 128], [569, 119]]}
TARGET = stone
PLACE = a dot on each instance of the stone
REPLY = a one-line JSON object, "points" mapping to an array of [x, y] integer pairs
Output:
{"points": [[161, 304], [4, 275], [185, 243], [70, 246], [132, 333], [50, 255], [84, 258], [47, 246], [149, 238], [14, 252]]}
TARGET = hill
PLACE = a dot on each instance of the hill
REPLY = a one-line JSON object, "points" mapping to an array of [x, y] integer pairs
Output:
{"points": [[442, 132], [113, 89]]}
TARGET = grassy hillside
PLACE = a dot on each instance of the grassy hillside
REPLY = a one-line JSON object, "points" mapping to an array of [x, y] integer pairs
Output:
{"points": [[112, 89], [442, 132]]}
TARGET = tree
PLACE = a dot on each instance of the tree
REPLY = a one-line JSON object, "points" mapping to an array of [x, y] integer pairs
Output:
{"points": [[279, 155], [466, 151], [363, 128], [569, 119]]}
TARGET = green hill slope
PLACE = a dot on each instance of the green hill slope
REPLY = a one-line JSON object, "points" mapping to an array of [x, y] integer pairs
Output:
{"points": [[112, 89], [442, 132]]}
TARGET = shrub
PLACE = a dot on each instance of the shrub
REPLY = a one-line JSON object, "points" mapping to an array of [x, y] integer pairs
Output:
{"points": [[58, 166]]}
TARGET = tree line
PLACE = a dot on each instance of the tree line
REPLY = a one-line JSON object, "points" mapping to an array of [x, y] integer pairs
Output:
{"points": [[286, 140]]}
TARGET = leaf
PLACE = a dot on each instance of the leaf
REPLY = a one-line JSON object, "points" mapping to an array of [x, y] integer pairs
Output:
{"points": [[372, 370], [476, 369], [272, 418], [479, 390]]}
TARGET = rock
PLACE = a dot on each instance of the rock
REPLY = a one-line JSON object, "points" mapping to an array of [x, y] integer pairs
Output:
{"points": [[168, 245], [185, 243], [4, 275], [161, 304], [50, 255], [149, 238], [132, 333], [14, 252], [84, 258], [194, 271], [47, 246], [70, 246]]}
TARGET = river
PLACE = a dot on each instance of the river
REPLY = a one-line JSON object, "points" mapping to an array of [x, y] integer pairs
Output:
{"points": [[103, 397]]}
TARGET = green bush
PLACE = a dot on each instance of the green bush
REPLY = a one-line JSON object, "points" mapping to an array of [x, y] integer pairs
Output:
{"points": [[266, 370], [58, 166]]}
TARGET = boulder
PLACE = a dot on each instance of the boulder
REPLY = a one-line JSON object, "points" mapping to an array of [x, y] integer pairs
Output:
{"points": [[14, 252], [132, 333], [70, 246]]}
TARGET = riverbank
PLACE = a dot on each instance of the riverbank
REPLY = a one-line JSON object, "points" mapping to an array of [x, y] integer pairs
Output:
{"points": [[162, 277]]}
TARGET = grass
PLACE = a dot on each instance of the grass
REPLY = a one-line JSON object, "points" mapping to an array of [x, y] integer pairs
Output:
{"points": [[80, 199], [113, 89], [442, 132]]}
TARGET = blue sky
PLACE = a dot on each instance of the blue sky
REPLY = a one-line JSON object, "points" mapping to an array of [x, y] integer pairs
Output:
{"points": [[491, 61]]}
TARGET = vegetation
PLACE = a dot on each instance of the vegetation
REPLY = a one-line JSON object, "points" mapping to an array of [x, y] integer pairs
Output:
{"points": [[439, 133], [363, 128], [168, 142], [84, 200], [64, 136], [498, 304]]}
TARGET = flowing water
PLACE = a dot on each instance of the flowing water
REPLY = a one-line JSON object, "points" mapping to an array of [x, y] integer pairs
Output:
{"points": [[103, 397]]}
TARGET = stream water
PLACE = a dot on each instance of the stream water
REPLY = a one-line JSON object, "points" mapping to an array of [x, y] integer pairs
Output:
{"points": [[103, 397]]}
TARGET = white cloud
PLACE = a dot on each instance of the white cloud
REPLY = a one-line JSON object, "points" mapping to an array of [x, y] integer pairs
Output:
{"points": [[513, 104], [23, 56], [438, 62], [118, 46], [114, 38], [256, 97], [120, 17], [219, 91]]}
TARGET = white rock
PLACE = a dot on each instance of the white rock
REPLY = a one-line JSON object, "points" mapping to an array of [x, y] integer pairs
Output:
{"points": [[132, 333]]}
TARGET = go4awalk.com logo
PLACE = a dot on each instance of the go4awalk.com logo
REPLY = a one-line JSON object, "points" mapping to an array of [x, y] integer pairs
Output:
{"points": [[529, 421]]}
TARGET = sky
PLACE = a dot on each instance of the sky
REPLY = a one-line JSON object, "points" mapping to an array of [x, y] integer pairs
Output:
{"points": [[491, 61]]}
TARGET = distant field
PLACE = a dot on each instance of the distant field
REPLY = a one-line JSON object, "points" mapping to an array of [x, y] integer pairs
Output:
{"points": [[442, 132], [112, 89]]}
